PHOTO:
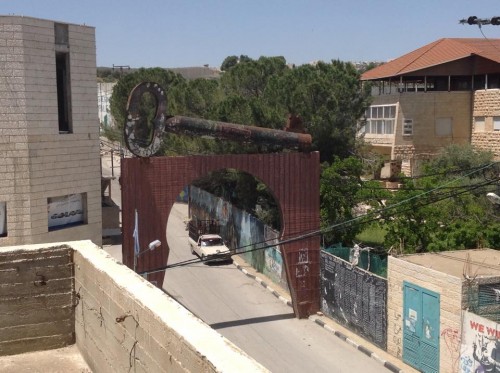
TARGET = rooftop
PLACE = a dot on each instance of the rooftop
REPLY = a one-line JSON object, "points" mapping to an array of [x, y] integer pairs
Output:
{"points": [[437, 53], [480, 262]]}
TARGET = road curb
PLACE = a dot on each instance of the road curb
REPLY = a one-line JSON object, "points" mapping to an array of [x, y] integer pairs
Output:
{"points": [[264, 284], [357, 346], [387, 364]]}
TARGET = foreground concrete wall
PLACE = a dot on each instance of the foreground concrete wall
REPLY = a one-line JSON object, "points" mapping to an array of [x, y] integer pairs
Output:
{"points": [[123, 323], [36, 299], [449, 289]]}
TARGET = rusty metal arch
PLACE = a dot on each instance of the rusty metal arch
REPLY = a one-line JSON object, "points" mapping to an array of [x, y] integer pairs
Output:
{"points": [[151, 186]]}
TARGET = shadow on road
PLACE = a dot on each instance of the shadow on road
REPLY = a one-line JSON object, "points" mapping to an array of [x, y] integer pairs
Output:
{"points": [[253, 320]]}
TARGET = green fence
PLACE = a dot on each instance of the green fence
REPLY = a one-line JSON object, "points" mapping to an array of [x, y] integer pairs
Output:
{"points": [[368, 260]]}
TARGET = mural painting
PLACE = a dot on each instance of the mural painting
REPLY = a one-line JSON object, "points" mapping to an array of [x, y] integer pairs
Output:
{"points": [[480, 349]]}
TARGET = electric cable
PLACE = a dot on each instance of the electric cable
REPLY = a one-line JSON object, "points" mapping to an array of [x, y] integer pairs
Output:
{"points": [[321, 231], [375, 213]]}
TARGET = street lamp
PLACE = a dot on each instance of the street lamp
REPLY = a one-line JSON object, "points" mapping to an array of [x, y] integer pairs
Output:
{"points": [[152, 245]]}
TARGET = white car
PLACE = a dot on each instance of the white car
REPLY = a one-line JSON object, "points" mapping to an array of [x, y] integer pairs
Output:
{"points": [[210, 247]]}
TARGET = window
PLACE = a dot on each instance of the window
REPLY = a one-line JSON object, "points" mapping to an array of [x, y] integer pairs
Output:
{"points": [[496, 123], [3, 219], [479, 124], [444, 127], [63, 77], [66, 211], [407, 127], [63, 92], [380, 119]]}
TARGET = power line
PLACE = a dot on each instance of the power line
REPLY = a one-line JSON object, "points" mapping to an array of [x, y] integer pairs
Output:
{"points": [[375, 215], [453, 171], [473, 20]]}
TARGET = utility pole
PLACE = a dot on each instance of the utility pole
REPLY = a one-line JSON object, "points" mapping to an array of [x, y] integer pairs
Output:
{"points": [[121, 67], [473, 20]]}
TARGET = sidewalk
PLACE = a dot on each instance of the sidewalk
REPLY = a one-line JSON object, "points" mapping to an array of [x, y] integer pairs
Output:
{"points": [[390, 362]]}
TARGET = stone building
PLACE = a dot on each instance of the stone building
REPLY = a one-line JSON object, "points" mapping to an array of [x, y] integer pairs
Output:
{"points": [[428, 295], [443, 93], [50, 187]]}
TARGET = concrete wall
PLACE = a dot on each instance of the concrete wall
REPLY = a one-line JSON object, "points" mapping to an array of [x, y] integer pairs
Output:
{"points": [[122, 322], [104, 92], [424, 108], [38, 161], [450, 290], [36, 299]]}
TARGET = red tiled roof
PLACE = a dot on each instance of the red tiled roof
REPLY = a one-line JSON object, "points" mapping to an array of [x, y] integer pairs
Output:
{"points": [[436, 53]]}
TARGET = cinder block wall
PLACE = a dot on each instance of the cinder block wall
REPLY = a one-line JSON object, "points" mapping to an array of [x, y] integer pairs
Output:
{"points": [[37, 161], [36, 299], [123, 323], [449, 289]]}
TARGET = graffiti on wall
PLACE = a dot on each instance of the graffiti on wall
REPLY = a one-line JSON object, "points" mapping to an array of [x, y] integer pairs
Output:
{"points": [[243, 232], [354, 297], [452, 341], [480, 345], [302, 269], [273, 260]]}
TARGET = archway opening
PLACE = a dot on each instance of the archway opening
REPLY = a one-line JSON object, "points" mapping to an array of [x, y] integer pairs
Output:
{"points": [[247, 216], [151, 186]]}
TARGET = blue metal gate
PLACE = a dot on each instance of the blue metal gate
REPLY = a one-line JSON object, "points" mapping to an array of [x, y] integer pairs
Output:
{"points": [[421, 328]]}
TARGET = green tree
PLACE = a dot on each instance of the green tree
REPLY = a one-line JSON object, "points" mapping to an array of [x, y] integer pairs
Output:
{"points": [[243, 191], [229, 62], [250, 78], [445, 208], [330, 100], [340, 183], [121, 91], [197, 98]]}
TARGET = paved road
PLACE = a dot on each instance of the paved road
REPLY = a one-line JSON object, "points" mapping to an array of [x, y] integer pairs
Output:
{"points": [[251, 317], [246, 313]]}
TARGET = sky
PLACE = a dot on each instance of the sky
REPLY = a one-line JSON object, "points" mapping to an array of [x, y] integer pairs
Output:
{"points": [[186, 33]]}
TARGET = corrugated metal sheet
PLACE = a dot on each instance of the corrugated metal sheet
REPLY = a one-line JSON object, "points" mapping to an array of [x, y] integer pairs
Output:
{"points": [[151, 185]]}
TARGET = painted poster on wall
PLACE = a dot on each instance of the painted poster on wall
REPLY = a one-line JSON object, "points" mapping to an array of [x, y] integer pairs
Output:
{"points": [[3, 219], [65, 210], [480, 348]]}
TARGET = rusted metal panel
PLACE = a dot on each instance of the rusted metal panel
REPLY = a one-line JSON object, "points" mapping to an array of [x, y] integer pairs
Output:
{"points": [[238, 132], [151, 186]]}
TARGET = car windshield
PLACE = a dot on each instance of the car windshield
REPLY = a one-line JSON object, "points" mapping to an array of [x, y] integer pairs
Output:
{"points": [[212, 242]]}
